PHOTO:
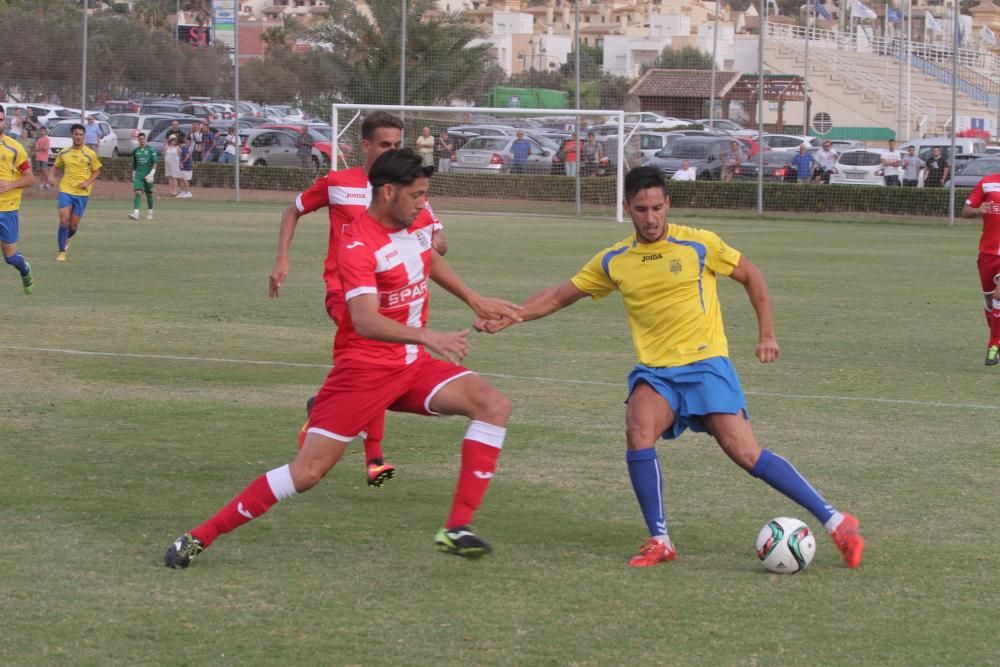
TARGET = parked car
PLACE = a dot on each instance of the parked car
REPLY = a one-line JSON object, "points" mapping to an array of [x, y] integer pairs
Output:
{"points": [[492, 155], [322, 141], [976, 169], [993, 150], [861, 166], [727, 126], [926, 146], [127, 127], [789, 142], [112, 107], [61, 137], [158, 139], [653, 121], [269, 148], [777, 168], [702, 153], [841, 145]]}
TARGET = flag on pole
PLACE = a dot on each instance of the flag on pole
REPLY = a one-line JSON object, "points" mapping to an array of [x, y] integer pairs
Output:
{"points": [[821, 11], [932, 23], [894, 15], [988, 36], [862, 11]]}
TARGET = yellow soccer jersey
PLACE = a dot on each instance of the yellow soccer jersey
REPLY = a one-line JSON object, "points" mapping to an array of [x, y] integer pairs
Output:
{"points": [[13, 163], [78, 164], [669, 289]]}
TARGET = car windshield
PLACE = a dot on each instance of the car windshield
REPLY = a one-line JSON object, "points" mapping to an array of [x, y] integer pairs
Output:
{"points": [[62, 130], [982, 168], [686, 150], [124, 122], [486, 144], [860, 159]]}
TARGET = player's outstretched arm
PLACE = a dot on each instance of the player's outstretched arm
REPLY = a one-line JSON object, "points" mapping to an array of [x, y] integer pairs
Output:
{"points": [[289, 219], [748, 275], [538, 305], [368, 322], [484, 307]]}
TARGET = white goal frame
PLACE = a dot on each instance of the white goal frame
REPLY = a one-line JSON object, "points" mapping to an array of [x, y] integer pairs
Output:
{"points": [[497, 111]]}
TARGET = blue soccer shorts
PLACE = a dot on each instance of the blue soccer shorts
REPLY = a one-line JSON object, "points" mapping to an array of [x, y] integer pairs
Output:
{"points": [[9, 227], [78, 202], [693, 391]]}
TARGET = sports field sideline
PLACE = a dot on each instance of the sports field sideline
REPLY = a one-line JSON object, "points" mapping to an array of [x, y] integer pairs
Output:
{"points": [[149, 377]]}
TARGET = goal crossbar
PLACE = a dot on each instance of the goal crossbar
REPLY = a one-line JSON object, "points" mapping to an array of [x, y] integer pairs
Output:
{"points": [[617, 114]]}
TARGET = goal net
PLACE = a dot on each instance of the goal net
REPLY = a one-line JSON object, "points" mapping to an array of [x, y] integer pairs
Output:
{"points": [[556, 161]]}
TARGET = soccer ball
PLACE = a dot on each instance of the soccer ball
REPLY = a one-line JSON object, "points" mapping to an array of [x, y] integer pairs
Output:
{"points": [[785, 545]]}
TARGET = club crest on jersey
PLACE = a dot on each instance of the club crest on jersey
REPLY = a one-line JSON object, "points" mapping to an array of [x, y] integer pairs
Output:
{"points": [[425, 242], [404, 296], [675, 266]]}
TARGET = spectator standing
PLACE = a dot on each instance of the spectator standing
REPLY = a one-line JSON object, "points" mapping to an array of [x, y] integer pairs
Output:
{"points": [[228, 147], [520, 149], [42, 146], [685, 173], [91, 134], [937, 170], [175, 131], [731, 159], [443, 150], [425, 147], [803, 162], [208, 144], [826, 162], [197, 142], [31, 122], [569, 154], [16, 130], [187, 167], [891, 160], [304, 149], [172, 160], [593, 153], [912, 165]]}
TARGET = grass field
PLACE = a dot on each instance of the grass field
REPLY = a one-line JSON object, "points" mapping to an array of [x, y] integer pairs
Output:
{"points": [[880, 398]]}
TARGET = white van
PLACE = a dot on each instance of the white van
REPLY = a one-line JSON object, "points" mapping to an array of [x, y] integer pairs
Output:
{"points": [[927, 145]]}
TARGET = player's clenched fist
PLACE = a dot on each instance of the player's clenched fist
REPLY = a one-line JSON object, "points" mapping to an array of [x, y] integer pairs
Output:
{"points": [[767, 350]]}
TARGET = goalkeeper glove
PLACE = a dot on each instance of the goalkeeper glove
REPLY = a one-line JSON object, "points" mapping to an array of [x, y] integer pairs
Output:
{"points": [[151, 176]]}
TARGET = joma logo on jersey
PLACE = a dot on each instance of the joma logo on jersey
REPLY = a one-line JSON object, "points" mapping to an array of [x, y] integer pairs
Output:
{"points": [[650, 258], [356, 195], [404, 296], [675, 266]]}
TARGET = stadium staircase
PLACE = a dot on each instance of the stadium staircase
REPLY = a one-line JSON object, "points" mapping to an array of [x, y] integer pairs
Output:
{"points": [[855, 72]]}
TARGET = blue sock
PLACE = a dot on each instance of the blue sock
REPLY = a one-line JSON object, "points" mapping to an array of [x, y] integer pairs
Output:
{"points": [[783, 477], [63, 236], [17, 261], [647, 482]]}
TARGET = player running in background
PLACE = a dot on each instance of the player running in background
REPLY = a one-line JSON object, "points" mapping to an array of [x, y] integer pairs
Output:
{"points": [[984, 202], [385, 259], [15, 175], [346, 194], [143, 175], [81, 167], [667, 277]]}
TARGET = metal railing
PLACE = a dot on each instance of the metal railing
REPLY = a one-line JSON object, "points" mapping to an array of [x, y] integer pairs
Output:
{"points": [[870, 83], [969, 82]]}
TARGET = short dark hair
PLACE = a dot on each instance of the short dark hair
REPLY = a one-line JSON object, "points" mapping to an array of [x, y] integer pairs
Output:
{"points": [[401, 166], [76, 126], [141, 134], [378, 120], [643, 178]]}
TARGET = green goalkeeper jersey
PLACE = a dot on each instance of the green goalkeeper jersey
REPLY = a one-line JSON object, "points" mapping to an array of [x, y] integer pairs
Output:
{"points": [[143, 160]]}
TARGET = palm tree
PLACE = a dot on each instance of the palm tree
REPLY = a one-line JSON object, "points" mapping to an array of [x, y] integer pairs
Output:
{"points": [[440, 64]]}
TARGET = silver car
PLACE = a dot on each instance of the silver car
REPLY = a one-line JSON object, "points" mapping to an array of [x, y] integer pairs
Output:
{"points": [[269, 148], [493, 155], [127, 127]]}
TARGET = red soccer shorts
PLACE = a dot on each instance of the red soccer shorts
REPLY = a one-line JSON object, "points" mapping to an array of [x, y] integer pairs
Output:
{"points": [[989, 269], [354, 393]]}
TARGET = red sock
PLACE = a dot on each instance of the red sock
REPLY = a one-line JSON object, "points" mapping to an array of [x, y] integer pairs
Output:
{"points": [[374, 433], [993, 318], [480, 451], [251, 503]]}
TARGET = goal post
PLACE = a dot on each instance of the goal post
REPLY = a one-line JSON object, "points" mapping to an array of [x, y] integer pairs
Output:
{"points": [[485, 168]]}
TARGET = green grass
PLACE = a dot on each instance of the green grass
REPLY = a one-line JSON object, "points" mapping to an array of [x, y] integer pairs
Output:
{"points": [[880, 398]]}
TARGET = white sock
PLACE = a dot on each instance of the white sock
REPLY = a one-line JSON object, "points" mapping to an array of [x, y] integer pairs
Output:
{"points": [[833, 522], [280, 481], [664, 538]]}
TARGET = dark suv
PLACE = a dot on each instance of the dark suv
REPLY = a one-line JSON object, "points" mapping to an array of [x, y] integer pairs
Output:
{"points": [[702, 153]]}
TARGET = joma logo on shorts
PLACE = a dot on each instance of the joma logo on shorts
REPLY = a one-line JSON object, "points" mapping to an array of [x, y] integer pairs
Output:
{"points": [[650, 258], [403, 296]]}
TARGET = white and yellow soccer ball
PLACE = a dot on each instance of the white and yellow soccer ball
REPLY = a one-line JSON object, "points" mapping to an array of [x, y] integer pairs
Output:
{"points": [[785, 545]]}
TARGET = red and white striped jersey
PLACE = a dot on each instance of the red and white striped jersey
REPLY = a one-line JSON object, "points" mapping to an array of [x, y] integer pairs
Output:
{"points": [[395, 266], [988, 189], [347, 194]]}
